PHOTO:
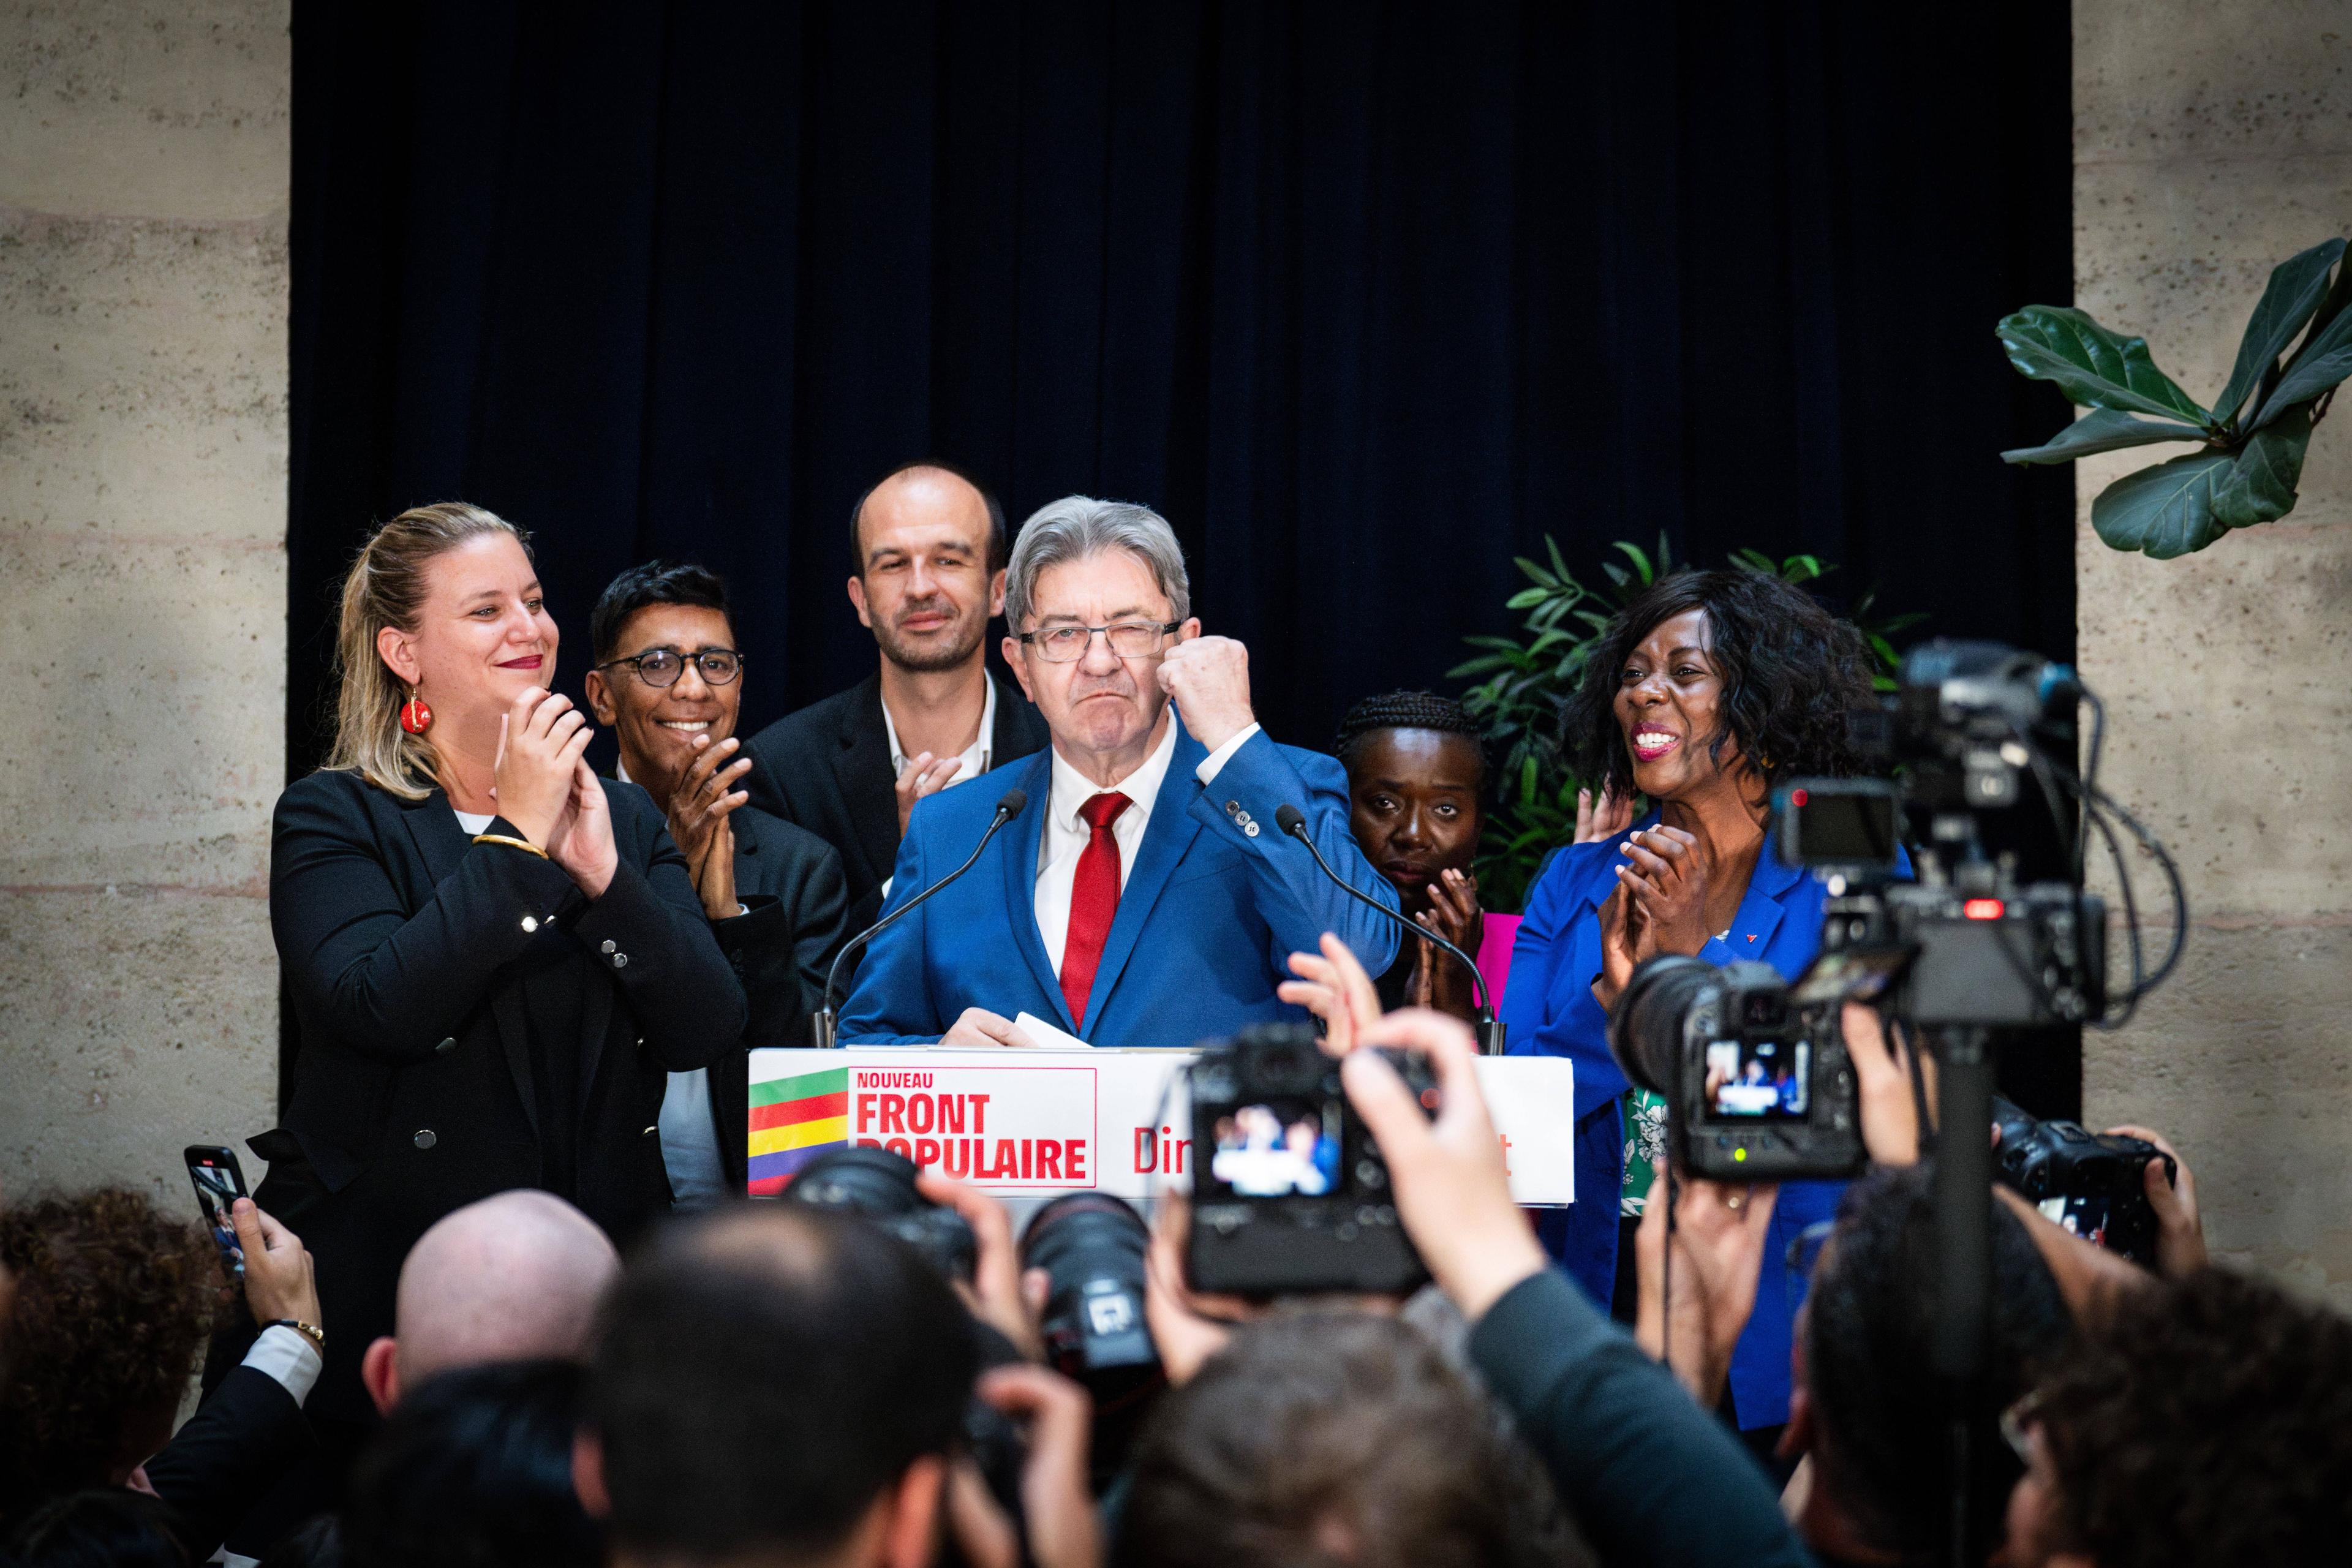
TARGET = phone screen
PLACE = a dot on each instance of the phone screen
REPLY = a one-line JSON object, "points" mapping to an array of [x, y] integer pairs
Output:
{"points": [[219, 1183]]}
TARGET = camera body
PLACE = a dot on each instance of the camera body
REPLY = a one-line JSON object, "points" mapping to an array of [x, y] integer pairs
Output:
{"points": [[1091, 1248], [878, 1186], [2088, 1183], [1290, 1193], [1758, 1084]]}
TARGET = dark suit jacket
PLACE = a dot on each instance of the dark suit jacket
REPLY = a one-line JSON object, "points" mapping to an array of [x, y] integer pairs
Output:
{"points": [[791, 880], [414, 1091], [827, 768], [240, 1441]]}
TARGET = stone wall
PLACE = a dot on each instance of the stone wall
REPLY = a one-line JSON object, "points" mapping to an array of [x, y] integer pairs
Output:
{"points": [[143, 291], [2212, 141]]}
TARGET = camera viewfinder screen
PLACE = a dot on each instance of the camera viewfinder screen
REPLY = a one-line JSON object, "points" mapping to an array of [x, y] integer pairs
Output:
{"points": [[2083, 1215], [1282, 1150], [1839, 826], [1757, 1080]]}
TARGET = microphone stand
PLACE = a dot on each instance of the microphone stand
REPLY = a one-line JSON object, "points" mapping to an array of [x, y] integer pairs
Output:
{"points": [[823, 1025], [1491, 1029]]}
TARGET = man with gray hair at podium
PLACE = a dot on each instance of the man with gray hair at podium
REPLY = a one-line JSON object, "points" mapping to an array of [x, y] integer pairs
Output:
{"points": [[1133, 884]]}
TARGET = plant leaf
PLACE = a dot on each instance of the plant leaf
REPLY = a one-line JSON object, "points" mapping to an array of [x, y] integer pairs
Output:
{"points": [[1526, 598], [2319, 365], [2297, 287], [2260, 489], [1536, 571], [2090, 364], [1552, 546], [1641, 561], [2102, 430], [2166, 511], [1801, 568]]}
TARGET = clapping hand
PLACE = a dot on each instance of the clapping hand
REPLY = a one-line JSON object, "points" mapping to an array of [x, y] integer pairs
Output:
{"points": [[923, 774], [1438, 980], [541, 737], [1606, 818], [1667, 872], [699, 809]]}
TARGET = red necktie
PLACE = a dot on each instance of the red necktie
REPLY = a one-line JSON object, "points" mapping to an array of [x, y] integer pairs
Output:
{"points": [[1094, 899]]}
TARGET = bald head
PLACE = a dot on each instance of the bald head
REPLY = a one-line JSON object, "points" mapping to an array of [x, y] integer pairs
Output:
{"points": [[928, 500], [512, 1277]]}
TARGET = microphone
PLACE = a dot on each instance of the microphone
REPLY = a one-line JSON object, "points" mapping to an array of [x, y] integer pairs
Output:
{"points": [[1491, 1031], [1015, 801]]}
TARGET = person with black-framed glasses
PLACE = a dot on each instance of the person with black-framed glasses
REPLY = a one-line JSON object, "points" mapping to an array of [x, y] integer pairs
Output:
{"points": [[669, 680]]}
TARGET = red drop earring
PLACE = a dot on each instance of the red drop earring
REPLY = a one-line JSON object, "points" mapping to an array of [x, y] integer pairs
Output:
{"points": [[415, 716]]}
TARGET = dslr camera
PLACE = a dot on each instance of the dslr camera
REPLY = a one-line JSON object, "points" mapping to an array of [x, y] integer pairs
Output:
{"points": [[878, 1186], [1757, 1082], [1290, 1195], [2088, 1183]]}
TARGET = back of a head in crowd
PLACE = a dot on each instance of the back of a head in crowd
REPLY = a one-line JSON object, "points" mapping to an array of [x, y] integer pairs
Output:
{"points": [[513, 1277], [765, 1380], [113, 1300], [1335, 1439], [1868, 1405], [474, 1470], [107, 1527], [2203, 1421]]}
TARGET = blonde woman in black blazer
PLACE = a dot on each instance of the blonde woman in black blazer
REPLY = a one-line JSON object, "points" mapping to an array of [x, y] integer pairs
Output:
{"points": [[494, 957]]}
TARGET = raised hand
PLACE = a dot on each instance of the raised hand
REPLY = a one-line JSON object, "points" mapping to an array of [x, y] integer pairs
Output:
{"points": [[1439, 981], [280, 1280], [1209, 679], [1716, 1258], [1621, 943], [1667, 872], [1334, 987], [1453, 1189], [698, 810], [542, 738], [923, 774], [1882, 1071], [2180, 1227], [1606, 818], [582, 839]]}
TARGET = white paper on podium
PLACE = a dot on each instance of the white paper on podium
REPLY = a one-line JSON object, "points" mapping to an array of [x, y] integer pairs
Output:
{"points": [[1037, 1122], [1053, 1036]]}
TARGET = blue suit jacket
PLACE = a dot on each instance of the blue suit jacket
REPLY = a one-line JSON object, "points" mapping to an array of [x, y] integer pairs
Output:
{"points": [[1206, 923], [1549, 1008]]}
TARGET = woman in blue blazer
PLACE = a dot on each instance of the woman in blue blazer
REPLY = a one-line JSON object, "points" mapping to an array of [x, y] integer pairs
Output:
{"points": [[1702, 692]]}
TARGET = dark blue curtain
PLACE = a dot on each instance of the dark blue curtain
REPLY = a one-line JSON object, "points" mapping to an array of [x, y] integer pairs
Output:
{"points": [[1366, 298]]}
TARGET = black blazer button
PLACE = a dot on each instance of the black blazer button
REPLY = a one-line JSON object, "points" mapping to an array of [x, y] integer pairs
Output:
{"points": [[620, 961], [425, 1138], [446, 1046], [609, 945]]}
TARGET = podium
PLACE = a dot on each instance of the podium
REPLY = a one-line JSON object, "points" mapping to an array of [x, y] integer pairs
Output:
{"points": [[1035, 1123]]}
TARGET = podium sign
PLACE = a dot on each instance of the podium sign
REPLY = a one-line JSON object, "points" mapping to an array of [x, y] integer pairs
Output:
{"points": [[1036, 1124]]}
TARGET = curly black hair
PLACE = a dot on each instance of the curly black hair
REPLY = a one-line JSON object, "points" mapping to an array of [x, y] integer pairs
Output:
{"points": [[2207, 1420], [114, 1300], [1791, 672], [1409, 710]]}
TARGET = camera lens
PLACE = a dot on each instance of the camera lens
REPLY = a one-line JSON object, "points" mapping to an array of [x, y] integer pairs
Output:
{"points": [[1646, 1031], [879, 1185], [1091, 1248], [876, 1182]]}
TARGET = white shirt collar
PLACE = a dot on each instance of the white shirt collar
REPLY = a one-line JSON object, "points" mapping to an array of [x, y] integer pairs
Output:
{"points": [[1072, 789], [975, 757]]}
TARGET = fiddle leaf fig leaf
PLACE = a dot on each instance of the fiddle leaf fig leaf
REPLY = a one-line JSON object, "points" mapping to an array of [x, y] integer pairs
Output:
{"points": [[2103, 430], [2166, 511], [2319, 365], [2261, 488], [2092, 365], [2289, 301]]}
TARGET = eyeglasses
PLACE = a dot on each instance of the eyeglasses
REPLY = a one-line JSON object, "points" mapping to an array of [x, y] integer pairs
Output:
{"points": [[662, 665], [1128, 639]]}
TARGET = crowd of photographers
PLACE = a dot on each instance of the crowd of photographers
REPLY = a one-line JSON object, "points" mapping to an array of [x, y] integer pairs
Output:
{"points": [[877, 1373]]}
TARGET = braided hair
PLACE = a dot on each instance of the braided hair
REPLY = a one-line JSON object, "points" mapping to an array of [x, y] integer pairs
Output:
{"points": [[1409, 710]]}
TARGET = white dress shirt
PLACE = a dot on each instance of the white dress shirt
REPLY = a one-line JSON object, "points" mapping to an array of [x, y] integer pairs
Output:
{"points": [[1066, 833], [975, 757]]}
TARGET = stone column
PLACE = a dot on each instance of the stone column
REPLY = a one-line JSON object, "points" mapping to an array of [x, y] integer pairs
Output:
{"points": [[2212, 139], [144, 170]]}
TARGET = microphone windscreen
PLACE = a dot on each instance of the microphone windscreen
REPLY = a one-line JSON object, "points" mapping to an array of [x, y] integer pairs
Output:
{"points": [[1289, 818], [1014, 803]]}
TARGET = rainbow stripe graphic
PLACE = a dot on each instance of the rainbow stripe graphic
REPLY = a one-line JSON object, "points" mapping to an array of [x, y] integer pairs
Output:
{"points": [[794, 1119]]}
